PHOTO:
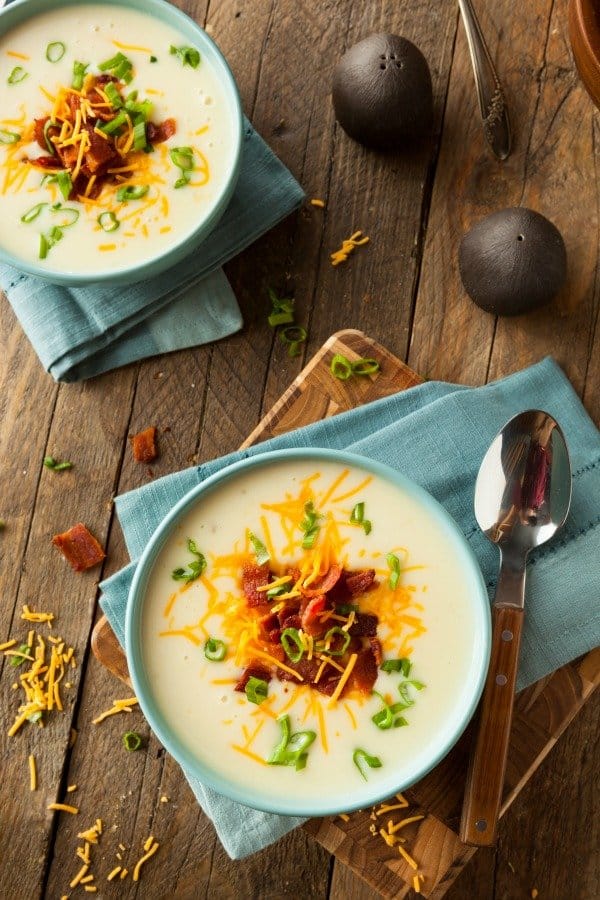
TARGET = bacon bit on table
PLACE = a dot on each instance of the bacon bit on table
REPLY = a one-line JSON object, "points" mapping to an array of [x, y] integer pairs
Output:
{"points": [[79, 547], [144, 446]]}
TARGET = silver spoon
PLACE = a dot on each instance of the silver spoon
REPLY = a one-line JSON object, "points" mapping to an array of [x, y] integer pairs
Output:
{"points": [[492, 104], [522, 498]]}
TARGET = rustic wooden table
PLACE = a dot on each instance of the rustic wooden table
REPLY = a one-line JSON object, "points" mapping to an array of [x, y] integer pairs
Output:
{"points": [[403, 289]]}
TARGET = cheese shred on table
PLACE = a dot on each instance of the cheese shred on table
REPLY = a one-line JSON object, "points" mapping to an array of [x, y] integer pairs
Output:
{"points": [[150, 851], [118, 706], [32, 773]]}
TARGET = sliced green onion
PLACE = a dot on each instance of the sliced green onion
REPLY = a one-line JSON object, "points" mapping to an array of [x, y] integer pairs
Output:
{"points": [[292, 749], [293, 335], [120, 66], [215, 650], [112, 92], [388, 716], [340, 367], [47, 241], [194, 569], [256, 690], [153, 59], [182, 157], [132, 740], [261, 552], [79, 70], [17, 75], [330, 634], [47, 126], [56, 466], [9, 137], [292, 644], [131, 96], [143, 109], [35, 716], [63, 180], [310, 525], [139, 136], [277, 591], [365, 367], [403, 665], [189, 56], [71, 213], [403, 690], [394, 567], [55, 51], [343, 368], [114, 124], [33, 213], [357, 517], [17, 660], [360, 757], [344, 609], [132, 192], [108, 221], [282, 312]]}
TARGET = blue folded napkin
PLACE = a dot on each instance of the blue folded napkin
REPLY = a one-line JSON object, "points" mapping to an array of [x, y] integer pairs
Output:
{"points": [[80, 332], [437, 434]]}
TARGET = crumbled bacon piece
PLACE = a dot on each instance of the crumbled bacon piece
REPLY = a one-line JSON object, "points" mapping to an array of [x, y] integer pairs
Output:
{"points": [[364, 673], [377, 649], [253, 577], [46, 162], [254, 670], [156, 134], [311, 622], [327, 583], [290, 618], [144, 446], [358, 582], [308, 668], [79, 547], [327, 684], [364, 625]]}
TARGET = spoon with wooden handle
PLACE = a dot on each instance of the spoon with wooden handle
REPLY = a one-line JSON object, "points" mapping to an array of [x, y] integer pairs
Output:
{"points": [[522, 498]]}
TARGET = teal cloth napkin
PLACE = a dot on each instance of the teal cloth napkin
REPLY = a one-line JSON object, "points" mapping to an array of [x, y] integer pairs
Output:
{"points": [[437, 434], [80, 332]]}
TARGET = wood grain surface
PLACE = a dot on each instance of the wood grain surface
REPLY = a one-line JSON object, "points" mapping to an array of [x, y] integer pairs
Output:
{"points": [[403, 289]]}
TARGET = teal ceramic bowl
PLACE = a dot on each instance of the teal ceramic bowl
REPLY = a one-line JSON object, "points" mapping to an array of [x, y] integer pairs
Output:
{"points": [[362, 794], [23, 11]]}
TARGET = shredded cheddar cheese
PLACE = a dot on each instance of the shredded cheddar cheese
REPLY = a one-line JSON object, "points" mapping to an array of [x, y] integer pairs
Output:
{"points": [[63, 807], [118, 706], [150, 849], [348, 247], [320, 204], [32, 773]]}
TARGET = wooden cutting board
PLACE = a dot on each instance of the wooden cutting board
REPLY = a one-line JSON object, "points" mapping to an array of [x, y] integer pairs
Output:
{"points": [[542, 711]]}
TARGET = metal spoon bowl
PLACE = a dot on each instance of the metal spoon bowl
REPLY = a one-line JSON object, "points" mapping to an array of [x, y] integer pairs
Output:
{"points": [[522, 497]]}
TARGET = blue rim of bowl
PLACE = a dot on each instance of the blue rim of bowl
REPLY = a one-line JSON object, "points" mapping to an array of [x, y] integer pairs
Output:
{"points": [[143, 692], [186, 245]]}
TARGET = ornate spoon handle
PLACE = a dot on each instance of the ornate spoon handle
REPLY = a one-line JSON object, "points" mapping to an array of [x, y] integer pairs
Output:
{"points": [[496, 125]]}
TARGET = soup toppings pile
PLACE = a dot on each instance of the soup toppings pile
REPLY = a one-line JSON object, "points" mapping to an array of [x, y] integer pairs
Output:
{"points": [[315, 629], [302, 626]]}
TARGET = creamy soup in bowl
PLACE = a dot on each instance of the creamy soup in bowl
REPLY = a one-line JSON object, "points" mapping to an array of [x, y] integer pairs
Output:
{"points": [[120, 138], [308, 632]]}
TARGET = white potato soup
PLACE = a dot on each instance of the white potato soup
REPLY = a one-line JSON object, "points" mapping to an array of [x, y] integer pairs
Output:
{"points": [[115, 138], [306, 628]]}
